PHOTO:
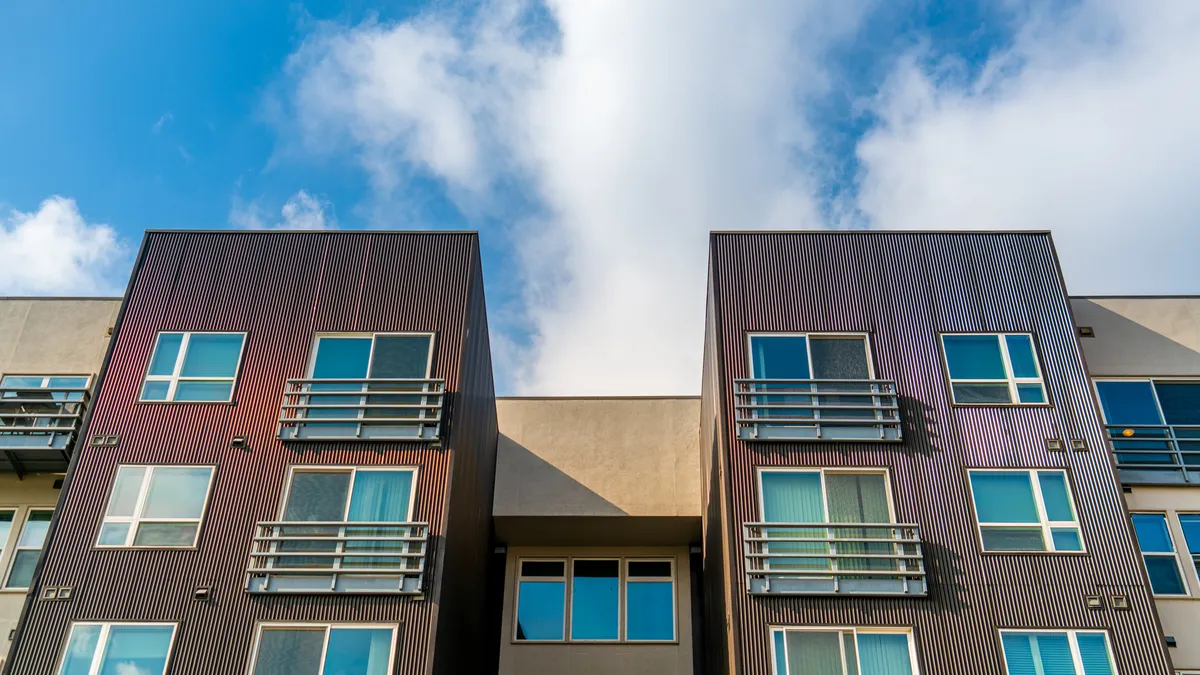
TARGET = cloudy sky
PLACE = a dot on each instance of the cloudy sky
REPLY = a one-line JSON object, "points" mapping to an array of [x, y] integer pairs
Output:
{"points": [[594, 143]]}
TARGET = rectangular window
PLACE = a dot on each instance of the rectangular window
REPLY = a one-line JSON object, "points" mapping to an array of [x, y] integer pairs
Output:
{"points": [[810, 356], [156, 506], [842, 651], [1025, 510], [1190, 524], [324, 649], [994, 369], [193, 367], [117, 648], [1065, 652], [1154, 427], [28, 547], [602, 600], [1158, 552]]}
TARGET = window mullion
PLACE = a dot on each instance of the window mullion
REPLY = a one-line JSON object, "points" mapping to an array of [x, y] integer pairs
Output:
{"points": [[1008, 371], [1036, 479], [1073, 639], [136, 519], [98, 654], [325, 649]]}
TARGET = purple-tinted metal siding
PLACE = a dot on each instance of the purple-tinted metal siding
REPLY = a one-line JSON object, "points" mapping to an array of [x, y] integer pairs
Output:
{"points": [[281, 289], [904, 289]]}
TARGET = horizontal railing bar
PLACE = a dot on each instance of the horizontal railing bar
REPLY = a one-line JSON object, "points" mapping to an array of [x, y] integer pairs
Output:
{"points": [[316, 421], [47, 390], [813, 406], [812, 422], [894, 526], [36, 430], [826, 574], [336, 554], [341, 571], [1151, 426], [834, 556], [361, 406], [831, 540], [339, 523], [334, 539], [784, 380], [388, 380]]}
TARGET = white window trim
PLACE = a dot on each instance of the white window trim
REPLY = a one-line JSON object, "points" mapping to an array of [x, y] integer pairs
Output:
{"points": [[46, 378], [1072, 635], [136, 519], [855, 630], [1159, 554], [1011, 380], [1047, 526], [10, 548], [1192, 574], [175, 378], [102, 642], [622, 605], [824, 471], [808, 337], [312, 352], [326, 628], [353, 470]]}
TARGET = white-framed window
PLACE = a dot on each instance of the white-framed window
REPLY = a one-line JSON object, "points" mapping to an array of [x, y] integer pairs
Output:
{"points": [[842, 651], [362, 494], [193, 367], [810, 356], [95, 648], [595, 599], [1023, 510], [156, 506], [1158, 553], [27, 544], [357, 356], [323, 649], [993, 369], [48, 382], [1080, 652], [1189, 523]]}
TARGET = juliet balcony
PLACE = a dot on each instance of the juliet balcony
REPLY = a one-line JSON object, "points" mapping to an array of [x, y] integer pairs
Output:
{"points": [[39, 425], [1162, 454], [390, 409], [816, 410], [834, 559]]}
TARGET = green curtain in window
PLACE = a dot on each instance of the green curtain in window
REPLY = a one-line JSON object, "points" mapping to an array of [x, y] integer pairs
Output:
{"points": [[1093, 650], [814, 653], [378, 497], [1038, 654], [860, 498], [795, 497], [884, 654]]}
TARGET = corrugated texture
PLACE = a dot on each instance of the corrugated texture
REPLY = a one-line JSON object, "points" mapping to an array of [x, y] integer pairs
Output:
{"points": [[280, 289], [903, 289]]}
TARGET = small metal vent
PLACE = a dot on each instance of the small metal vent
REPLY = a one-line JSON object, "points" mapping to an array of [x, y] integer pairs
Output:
{"points": [[1079, 445], [1119, 601], [1054, 445], [105, 441], [1087, 332], [1094, 602], [1170, 640], [57, 593]]}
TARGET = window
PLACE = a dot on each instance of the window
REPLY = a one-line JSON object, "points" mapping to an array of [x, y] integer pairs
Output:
{"points": [[810, 357], [1158, 552], [156, 506], [1066, 652], [47, 382], [1190, 524], [323, 649], [193, 367], [117, 648], [1025, 510], [28, 546], [995, 369], [845, 651], [1153, 422], [611, 600]]}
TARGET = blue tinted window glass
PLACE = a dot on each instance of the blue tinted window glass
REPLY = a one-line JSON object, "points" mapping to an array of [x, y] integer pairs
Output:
{"points": [[974, 357], [22, 381], [1066, 539], [1093, 651], [649, 611], [1031, 393], [540, 610], [1054, 495], [1180, 401], [883, 654], [212, 355], [165, 353], [1004, 497], [1129, 402], [1020, 355], [155, 391], [1038, 654], [780, 654], [1190, 524], [203, 391], [342, 358], [358, 651], [136, 649], [783, 357], [1152, 533], [81, 647], [594, 600], [67, 382], [1164, 575]]}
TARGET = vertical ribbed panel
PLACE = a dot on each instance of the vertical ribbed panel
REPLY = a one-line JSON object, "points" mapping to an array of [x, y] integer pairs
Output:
{"points": [[904, 289], [280, 288]]}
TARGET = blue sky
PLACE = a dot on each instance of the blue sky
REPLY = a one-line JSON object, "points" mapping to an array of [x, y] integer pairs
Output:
{"points": [[594, 144]]}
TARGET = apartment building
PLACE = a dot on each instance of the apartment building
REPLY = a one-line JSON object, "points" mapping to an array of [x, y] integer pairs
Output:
{"points": [[50, 355], [905, 470], [288, 468], [1144, 357]]}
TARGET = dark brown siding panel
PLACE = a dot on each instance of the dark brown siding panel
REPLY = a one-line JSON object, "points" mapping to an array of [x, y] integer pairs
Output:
{"points": [[904, 289], [280, 288]]}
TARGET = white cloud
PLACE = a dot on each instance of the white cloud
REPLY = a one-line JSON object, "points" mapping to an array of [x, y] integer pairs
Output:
{"points": [[54, 251], [1087, 126], [162, 122], [302, 211]]}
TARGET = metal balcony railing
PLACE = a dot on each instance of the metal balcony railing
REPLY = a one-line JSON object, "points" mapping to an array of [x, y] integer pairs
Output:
{"points": [[338, 557], [38, 426], [362, 409], [1156, 454], [834, 559], [816, 410]]}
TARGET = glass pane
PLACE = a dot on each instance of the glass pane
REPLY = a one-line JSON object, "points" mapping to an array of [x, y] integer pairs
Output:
{"points": [[81, 648], [381, 496], [23, 565], [649, 568], [1129, 402], [212, 355], [1013, 539], [974, 357], [203, 391], [342, 358], [67, 382], [781, 357], [1020, 355], [1180, 401], [1031, 393], [289, 652], [177, 492], [155, 391], [113, 534], [1164, 575], [792, 497], [1190, 524], [400, 356], [849, 654], [22, 381], [1055, 497], [540, 610], [857, 498], [136, 650], [6, 520], [1152, 533], [811, 652], [780, 654], [33, 532], [884, 654], [1004, 497], [982, 393], [543, 568], [649, 611], [839, 359], [166, 534], [1093, 651], [1037, 654], [1066, 539], [126, 487], [359, 651], [595, 600], [166, 352], [317, 496]]}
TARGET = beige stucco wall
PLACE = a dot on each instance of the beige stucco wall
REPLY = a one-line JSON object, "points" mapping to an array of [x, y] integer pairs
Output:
{"points": [[598, 659], [21, 494], [1140, 336]]}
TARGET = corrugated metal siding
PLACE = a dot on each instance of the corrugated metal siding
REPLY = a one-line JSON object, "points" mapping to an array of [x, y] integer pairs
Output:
{"points": [[903, 289], [280, 289]]}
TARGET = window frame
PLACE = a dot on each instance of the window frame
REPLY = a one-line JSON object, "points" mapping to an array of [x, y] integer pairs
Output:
{"points": [[102, 641], [1152, 381], [1183, 579], [46, 379], [316, 341], [263, 626], [1071, 634], [569, 596], [822, 471], [136, 520], [353, 470], [855, 630], [1193, 557], [809, 335], [1011, 380], [175, 378], [13, 546], [1046, 525]]}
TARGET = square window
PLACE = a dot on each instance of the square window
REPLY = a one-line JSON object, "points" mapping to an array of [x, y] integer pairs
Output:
{"points": [[117, 648], [1025, 510], [1065, 652], [156, 506], [193, 367], [324, 649], [994, 369]]}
